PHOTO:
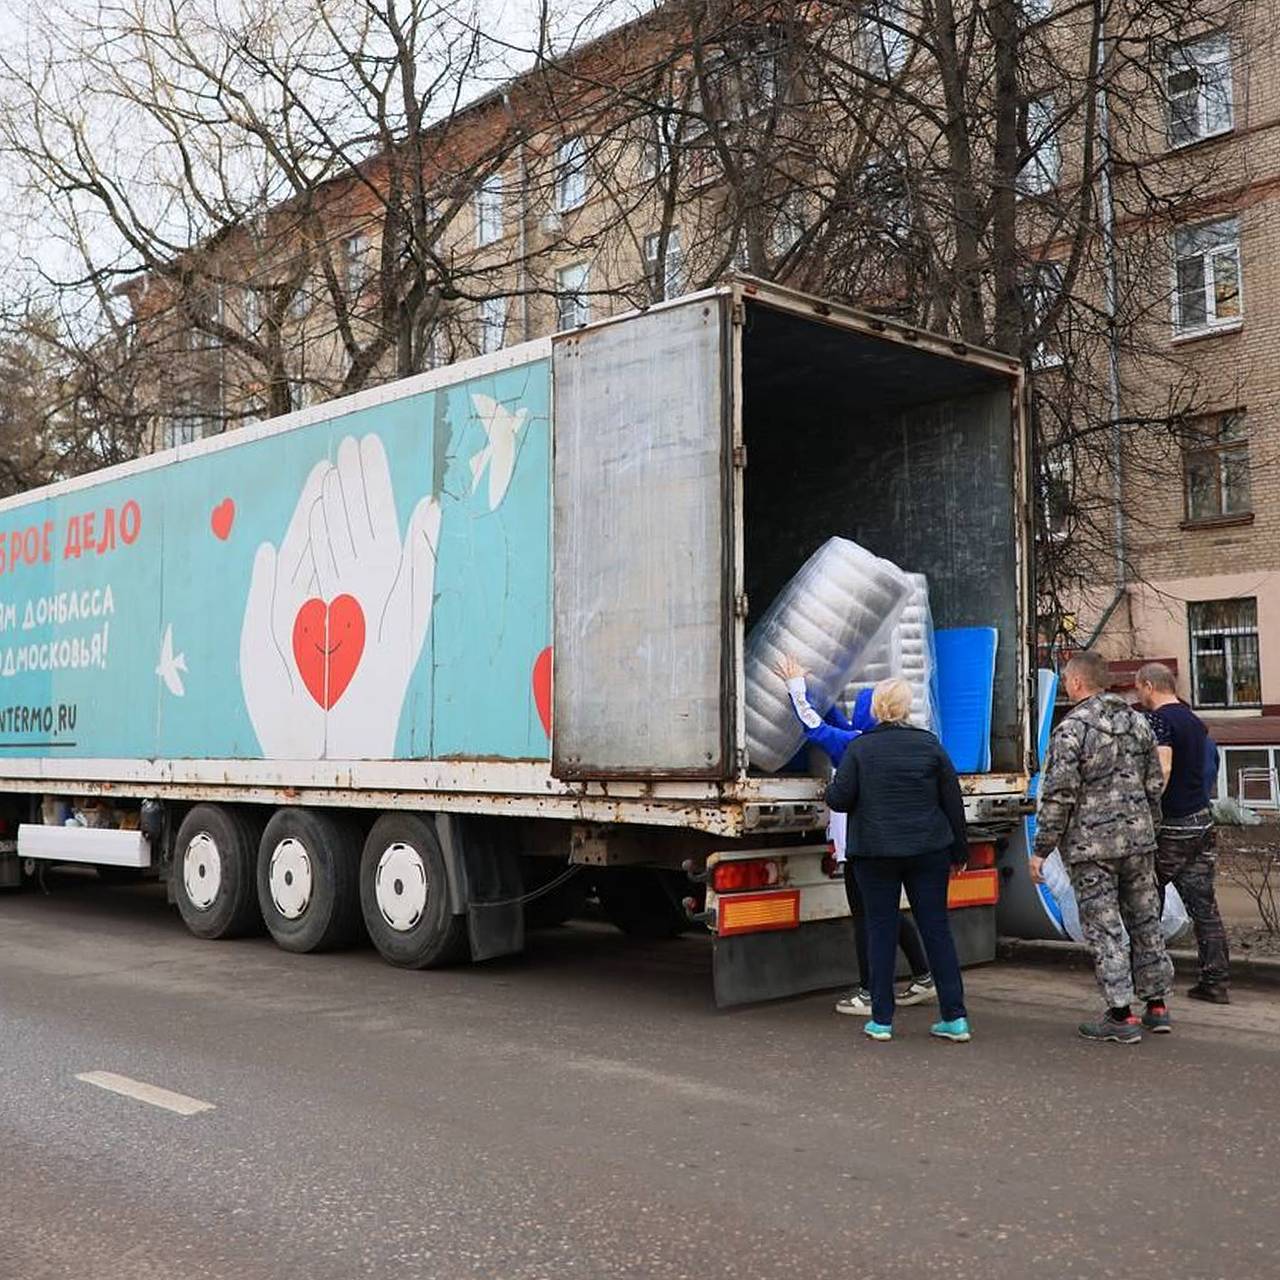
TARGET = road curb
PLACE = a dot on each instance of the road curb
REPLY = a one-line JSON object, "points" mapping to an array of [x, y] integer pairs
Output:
{"points": [[1254, 971]]}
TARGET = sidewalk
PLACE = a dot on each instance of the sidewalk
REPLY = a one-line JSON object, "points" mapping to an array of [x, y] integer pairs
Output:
{"points": [[1246, 971]]}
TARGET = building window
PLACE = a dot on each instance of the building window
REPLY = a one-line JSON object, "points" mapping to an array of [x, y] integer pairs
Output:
{"points": [[573, 307], [885, 37], [1198, 87], [1207, 293], [1224, 653], [1216, 467], [186, 429], [252, 311], [886, 198], [1056, 477], [489, 210], [1041, 294], [789, 224], [492, 317], [571, 174], [663, 268], [1251, 775], [1039, 141], [1035, 10], [357, 265]]}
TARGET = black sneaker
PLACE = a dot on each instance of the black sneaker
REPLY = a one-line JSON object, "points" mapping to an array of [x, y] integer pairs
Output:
{"points": [[1157, 1020], [1121, 1030], [1210, 993]]}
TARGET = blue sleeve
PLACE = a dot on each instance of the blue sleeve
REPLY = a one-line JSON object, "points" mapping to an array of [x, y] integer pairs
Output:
{"points": [[832, 740], [838, 718]]}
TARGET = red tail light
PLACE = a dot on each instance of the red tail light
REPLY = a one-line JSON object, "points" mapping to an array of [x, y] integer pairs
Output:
{"points": [[981, 856], [751, 873]]}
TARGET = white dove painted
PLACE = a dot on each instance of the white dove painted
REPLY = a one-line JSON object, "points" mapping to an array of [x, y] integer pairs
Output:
{"points": [[502, 428], [171, 668]]}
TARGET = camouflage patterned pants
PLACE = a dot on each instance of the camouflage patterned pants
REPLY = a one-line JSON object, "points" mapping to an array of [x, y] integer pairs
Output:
{"points": [[1186, 858], [1114, 898]]}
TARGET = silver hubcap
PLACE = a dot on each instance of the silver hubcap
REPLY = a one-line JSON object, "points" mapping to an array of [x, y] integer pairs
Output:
{"points": [[202, 871], [400, 887], [289, 878]]}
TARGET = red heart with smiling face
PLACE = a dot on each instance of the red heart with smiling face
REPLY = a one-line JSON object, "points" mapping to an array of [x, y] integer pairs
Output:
{"points": [[223, 517], [328, 641]]}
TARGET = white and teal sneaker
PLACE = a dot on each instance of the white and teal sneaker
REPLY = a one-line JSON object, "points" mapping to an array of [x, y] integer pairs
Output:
{"points": [[878, 1030], [956, 1029]]}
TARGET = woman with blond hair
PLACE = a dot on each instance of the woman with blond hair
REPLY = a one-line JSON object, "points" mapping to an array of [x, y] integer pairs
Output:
{"points": [[905, 830]]}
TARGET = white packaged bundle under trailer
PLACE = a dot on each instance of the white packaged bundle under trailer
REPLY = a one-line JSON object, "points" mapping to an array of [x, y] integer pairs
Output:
{"points": [[840, 605]]}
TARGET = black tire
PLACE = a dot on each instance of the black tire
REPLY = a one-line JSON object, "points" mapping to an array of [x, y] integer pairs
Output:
{"points": [[408, 935], [641, 902], [225, 901], [323, 891]]}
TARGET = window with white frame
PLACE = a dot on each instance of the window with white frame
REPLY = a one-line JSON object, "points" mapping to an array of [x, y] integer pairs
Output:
{"points": [[1039, 141], [655, 156], [887, 199], [491, 317], [663, 265], [1056, 483], [788, 224], [489, 210], [1035, 10], [357, 259], [1250, 775], [300, 299], [212, 311], [573, 306], [252, 311], [571, 174], [1198, 88], [1216, 468], [1207, 276], [885, 37], [1041, 294], [1225, 670]]}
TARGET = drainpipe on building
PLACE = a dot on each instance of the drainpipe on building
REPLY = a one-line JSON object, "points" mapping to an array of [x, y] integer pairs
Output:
{"points": [[1107, 219], [522, 275]]}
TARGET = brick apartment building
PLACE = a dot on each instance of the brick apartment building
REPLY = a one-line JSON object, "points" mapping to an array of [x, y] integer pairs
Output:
{"points": [[571, 237]]}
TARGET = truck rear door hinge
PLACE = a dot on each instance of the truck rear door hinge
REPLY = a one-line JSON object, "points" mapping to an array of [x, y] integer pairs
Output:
{"points": [[740, 605], [738, 313], [740, 456]]}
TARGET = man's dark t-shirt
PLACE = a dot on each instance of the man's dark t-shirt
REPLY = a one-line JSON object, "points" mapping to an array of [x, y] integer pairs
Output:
{"points": [[1179, 727]]}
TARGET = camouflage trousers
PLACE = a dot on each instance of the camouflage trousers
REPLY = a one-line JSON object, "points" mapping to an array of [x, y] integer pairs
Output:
{"points": [[1185, 858], [1118, 898]]}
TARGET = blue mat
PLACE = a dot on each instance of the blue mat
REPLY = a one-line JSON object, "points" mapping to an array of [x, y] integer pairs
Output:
{"points": [[966, 682]]}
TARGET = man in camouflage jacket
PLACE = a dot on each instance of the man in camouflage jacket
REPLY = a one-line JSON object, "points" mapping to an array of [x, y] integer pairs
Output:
{"points": [[1099, 806]]}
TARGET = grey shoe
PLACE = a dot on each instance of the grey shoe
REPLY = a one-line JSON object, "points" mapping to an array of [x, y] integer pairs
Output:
{"points": [[857, 1002], [918, 991], [1122, 1031]]}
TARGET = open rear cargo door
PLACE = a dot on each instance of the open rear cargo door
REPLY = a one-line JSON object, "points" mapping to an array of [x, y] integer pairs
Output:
{"points": [[643, 556]]}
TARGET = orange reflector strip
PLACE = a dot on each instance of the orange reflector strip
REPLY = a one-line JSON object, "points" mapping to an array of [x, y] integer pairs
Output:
{"points": [[756, 912], [973, 888]]}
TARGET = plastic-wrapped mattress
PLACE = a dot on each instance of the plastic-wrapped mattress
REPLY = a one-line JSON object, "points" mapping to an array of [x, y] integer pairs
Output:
{"points": [[839, 605], [905, 650]]}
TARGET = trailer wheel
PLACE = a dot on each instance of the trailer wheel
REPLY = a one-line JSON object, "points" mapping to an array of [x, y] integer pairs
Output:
{"points": [[307, 886], [404, 894], [212, 873], [642, 902]]}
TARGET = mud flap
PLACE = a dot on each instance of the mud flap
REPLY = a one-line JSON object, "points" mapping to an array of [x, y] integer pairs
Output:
{"points": [[820, 956], [485, 883]]}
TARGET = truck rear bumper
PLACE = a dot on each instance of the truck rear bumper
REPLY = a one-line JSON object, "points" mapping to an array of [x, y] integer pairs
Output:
{"points": [[820, 956]]}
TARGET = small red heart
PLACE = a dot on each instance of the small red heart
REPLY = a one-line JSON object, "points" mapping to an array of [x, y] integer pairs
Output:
{"points": [[328, 641], [542, 689], [223, 517]]}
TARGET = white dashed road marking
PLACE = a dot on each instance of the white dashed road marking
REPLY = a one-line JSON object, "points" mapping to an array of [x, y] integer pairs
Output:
{"points": [[178, 1103]]}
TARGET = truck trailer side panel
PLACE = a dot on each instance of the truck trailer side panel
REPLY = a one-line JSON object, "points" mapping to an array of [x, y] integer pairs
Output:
{"points": [[372, 584]]}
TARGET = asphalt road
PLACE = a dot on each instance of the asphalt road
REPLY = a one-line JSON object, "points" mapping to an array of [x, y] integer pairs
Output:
{"points": [[586, 1112]]}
